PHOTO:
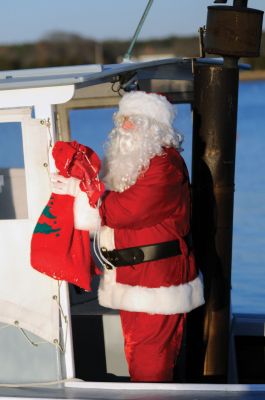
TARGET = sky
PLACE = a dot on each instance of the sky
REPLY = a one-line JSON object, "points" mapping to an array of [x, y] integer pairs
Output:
{"points": [[24, 21]]}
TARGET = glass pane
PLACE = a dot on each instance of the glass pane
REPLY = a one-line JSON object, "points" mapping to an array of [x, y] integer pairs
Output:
{"points": [[91, 127], [13, 199]]}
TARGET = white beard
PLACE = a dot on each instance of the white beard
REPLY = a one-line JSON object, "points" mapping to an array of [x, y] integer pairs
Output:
{"points": [[128, 153]]}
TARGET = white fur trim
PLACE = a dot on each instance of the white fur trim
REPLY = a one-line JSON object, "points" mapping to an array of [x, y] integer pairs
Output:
{"points": [[163, 300], [86, 217], [150, 104], [106, 238]]}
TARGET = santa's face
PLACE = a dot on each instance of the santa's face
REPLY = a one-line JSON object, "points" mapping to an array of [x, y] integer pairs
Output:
{"points": [[131, 145], [127, 152]]}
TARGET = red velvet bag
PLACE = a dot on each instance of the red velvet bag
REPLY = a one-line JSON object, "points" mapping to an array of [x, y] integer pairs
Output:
{"points": [[79, 161], [57, 248]]}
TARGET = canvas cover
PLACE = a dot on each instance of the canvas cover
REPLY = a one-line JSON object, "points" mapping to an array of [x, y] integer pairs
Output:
{"points": [[28, 299]]}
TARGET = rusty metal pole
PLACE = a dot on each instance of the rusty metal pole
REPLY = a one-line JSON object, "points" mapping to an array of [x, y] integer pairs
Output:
{"points": [[213, 166], [214, 138]]}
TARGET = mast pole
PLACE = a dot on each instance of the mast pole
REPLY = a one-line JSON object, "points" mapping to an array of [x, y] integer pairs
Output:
{"points": [[127, 56]]}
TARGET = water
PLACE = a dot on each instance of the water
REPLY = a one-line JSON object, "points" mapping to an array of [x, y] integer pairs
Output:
{"points": [[248, 292], [91, 127]]}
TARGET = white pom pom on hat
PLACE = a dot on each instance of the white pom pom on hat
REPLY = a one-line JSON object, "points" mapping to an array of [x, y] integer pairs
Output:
{"points": [[151, 105]]}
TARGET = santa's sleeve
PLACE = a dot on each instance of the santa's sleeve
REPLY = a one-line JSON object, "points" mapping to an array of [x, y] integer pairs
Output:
{"points": [[86, 218], [152, 199]]}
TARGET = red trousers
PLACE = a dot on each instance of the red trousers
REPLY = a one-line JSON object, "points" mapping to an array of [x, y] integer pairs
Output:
{"points": [[152, 343]]}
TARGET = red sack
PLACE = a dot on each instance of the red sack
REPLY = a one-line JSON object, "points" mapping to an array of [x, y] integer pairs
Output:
{"points": [[79, 161], [57, 248]]}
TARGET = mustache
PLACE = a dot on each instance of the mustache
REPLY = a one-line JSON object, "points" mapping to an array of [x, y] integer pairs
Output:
{"points": [[123, 141]]}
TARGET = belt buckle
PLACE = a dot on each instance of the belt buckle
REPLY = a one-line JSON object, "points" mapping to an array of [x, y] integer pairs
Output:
{"points": [[107, 255]]}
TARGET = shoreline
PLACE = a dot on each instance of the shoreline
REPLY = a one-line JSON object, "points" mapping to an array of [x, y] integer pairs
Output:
{"points": [[256, 75]]}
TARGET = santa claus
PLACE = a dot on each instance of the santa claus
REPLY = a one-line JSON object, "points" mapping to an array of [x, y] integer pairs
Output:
{"points": [[144, 238]]}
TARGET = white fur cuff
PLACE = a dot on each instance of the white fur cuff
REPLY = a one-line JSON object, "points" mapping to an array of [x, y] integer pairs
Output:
{"points": [[163, 300], [86, 218], [107, 237]]}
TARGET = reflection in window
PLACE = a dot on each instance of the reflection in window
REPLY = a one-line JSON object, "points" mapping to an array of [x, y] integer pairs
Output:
{"points": [[13, 199]]}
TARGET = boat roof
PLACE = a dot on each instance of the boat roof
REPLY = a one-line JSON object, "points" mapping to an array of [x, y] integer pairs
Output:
{"points": [[87, 75]]}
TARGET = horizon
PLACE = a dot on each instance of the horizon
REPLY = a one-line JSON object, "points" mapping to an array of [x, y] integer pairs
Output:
{"points": [[38, 20]]}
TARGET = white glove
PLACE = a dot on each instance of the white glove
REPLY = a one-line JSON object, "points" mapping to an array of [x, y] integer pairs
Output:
{"points": [[62, 185], [86, 218]]}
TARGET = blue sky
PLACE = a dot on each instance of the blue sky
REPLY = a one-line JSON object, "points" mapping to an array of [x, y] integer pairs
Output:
{"points": [[29, 20]]}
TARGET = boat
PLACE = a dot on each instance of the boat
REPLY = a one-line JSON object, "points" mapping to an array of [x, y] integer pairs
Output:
{"points": [[55, 340]]}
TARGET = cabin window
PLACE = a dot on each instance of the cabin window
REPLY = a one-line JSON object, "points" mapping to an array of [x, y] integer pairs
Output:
{"points": [[13, 199], [91, 126]]}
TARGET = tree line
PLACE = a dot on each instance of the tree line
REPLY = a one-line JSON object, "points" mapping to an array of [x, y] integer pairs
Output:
{"points": [[61, 49]]}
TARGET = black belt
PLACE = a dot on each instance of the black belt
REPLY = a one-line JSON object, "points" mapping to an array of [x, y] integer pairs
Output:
{"points": [[141, 254]]}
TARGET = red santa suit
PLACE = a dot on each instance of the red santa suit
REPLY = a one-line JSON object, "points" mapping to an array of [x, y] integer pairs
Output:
{"points": [[155, 209]]}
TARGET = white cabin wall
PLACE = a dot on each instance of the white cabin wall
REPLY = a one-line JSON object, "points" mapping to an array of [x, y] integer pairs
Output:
{"points": [[29, 314]]}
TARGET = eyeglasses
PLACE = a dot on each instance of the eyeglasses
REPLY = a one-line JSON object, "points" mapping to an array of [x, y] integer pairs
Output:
{"points": [[134, 120]]}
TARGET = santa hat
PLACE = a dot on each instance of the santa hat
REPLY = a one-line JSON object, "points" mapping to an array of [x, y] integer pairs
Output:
{"points": [[151, 105]]}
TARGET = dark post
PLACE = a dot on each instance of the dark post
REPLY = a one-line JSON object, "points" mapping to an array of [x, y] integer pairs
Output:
{"points": [[214, 138], [213, 166]]}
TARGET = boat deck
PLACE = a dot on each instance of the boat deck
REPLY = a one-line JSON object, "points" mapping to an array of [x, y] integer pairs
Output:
{"points": [[136, 391]]}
